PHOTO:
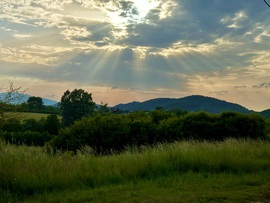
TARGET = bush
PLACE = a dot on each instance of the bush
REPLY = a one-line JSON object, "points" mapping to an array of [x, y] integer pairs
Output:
{"points": [[201, 126], [142, 129], [28, 138], [11, 125], [238, 125], [170, 130], [52, 124], [31, 125], [102, 133], [105, 133]]}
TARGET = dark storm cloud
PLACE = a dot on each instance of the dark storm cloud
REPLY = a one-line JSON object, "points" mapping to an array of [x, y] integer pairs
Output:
{"points": [[198, 22], [128, 9], [98, 31]]}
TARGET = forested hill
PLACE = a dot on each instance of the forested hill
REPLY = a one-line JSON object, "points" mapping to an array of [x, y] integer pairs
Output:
{"points": [[266, 113], [191, 103]]}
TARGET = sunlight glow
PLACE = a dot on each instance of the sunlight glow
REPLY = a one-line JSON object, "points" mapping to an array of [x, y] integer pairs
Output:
{"points": [[144, 7], [135, 14]]}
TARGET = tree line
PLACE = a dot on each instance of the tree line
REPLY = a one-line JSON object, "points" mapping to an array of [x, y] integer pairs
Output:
{"points": [[106, 133], [85, 123]]}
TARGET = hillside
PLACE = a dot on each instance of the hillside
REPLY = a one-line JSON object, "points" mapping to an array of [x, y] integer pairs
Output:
{"points": [[190, 103], [266, 113]]}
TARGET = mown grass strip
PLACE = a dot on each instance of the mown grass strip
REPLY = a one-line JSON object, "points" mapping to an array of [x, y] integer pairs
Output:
{"points": [[187, 187]]}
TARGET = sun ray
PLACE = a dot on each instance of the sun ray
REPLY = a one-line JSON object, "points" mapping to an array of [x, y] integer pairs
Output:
{"points": [[136, 71]]}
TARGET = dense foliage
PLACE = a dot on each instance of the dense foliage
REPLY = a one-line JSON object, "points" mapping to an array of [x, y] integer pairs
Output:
{"points": [[24, 107], [75, 105], [35, 103], [29, 131], [106, 133]]}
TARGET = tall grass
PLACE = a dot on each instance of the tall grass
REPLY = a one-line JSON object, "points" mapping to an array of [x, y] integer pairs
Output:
{"points": [[30, 170]]}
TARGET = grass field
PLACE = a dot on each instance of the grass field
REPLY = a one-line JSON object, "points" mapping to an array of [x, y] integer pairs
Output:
{"points": [[231, 171], [25, 115]]}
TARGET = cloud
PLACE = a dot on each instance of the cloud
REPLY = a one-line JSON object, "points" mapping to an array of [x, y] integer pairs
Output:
{"points": [[24, 57], [240, 86], [262, 85], [236, 21], [167, 23], [22, 35], [6, 29], [222, 92], [167, 9], [180, 47], [52, 96]]}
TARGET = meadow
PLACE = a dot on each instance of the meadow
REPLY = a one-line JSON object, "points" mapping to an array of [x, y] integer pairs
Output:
{"points": [[25, 115], [186, 171]]}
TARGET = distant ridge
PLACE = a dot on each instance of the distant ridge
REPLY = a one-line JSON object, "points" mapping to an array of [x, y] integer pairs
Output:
{"points": [[192, 103], [266, 113], [18, 98]]}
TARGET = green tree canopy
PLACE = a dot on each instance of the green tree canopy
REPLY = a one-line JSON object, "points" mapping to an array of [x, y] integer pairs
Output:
{"points": [[75, 105], [52, 124], [35, 103]]}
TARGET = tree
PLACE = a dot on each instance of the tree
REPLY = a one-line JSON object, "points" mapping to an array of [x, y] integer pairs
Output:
{"points": [[52, 124], [103, 109], [75, 105], [35, 104]]}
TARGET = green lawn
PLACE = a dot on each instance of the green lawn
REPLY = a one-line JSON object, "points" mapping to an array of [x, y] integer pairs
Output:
{"points": [[186, 187], [231, 171]]}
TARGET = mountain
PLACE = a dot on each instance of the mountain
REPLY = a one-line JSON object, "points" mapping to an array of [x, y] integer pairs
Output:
{"points": [[265, 113], [190, 103], [18, 98]]}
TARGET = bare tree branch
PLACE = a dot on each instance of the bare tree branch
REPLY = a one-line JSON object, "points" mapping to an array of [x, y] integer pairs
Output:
{"points": [[12, 95], [266, 3]]}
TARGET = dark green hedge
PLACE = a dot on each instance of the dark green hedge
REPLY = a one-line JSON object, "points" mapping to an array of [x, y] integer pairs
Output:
{"points": [[29, 138], [105, 133]]}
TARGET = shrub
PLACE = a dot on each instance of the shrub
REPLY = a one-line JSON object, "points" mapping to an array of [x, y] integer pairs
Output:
{"points": [[238, 125], [170, 130], [29, 138], [11, 125], [52, 124], [31, 125], [106, 133], [142, 129], [102, 133], [200, 126]]}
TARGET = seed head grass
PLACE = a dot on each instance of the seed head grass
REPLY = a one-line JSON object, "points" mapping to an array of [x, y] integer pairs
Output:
{"points": [[26, 171]]}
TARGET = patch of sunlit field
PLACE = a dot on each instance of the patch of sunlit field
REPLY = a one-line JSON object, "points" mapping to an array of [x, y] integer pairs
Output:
{"points": [[25, 115], [188, 171]]}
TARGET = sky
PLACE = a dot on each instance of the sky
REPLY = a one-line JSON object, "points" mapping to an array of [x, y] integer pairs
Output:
{"points": [[135, 50]]}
